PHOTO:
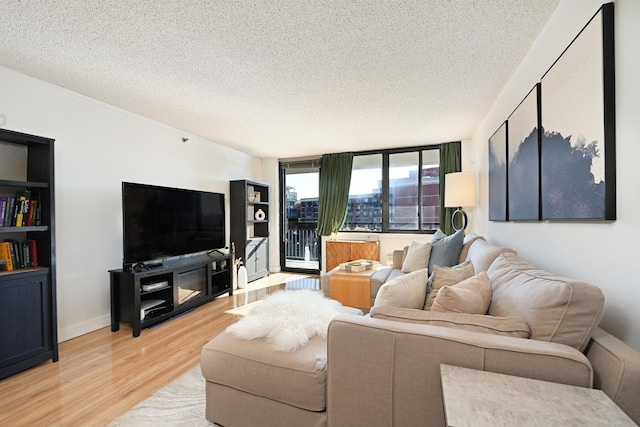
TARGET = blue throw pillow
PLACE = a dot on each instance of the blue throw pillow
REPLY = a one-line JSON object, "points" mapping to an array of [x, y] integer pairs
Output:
{"points": [[445, 250]]}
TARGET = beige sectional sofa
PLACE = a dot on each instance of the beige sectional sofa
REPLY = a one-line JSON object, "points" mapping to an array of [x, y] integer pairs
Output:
{"points": [[384, 369]]}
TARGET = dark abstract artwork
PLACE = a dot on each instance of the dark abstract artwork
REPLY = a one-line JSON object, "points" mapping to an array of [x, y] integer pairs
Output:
{"points": [[523, 167], [498, 175], [578, 127]]}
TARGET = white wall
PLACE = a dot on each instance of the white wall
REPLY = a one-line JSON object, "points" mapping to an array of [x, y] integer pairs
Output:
{"points": [[97, 147], [601, 253]]}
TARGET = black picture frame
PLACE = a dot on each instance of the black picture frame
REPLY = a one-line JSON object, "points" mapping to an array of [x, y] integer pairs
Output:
{"points": [[577, 164], [498, 174], [523, 153]]}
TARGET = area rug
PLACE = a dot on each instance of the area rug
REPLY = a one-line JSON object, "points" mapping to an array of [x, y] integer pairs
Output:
{"points": [[179, 404]]}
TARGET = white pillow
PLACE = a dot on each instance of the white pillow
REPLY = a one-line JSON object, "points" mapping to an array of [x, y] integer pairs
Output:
{"points": [[417, 257], [406, 291]]}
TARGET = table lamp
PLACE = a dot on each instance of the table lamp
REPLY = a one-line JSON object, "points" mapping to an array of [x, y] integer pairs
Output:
{"points": [[459, 191]]}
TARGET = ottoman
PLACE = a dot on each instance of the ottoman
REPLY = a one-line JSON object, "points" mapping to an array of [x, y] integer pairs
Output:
{"points": [[248, 383]]}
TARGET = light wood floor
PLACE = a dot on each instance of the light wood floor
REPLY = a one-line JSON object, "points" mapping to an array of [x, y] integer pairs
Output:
{"points": [[103, 374]]}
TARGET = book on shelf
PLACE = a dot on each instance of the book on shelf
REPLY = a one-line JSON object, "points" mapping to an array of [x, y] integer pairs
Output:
{"points": [[22, 210], [5, 255], [31, 212], [3, 209], [33, 252], [8, 216], [23, 254]]}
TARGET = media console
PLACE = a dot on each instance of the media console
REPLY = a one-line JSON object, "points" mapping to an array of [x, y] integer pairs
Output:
{"points": [[145, 298]]}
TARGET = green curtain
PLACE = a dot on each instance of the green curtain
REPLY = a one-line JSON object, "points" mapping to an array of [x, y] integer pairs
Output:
{"points": [[335, 179], [450, 161]]}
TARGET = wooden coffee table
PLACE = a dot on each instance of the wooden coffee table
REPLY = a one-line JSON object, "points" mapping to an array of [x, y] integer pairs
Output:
{"points": [[352, 289]]}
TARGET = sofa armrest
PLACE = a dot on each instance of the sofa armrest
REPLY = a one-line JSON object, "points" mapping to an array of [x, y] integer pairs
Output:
{"points": [[382, 372], [398, 257], [616, 368]]}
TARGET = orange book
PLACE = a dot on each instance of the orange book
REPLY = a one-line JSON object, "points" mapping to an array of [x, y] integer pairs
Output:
{"points": [[5, 255]]}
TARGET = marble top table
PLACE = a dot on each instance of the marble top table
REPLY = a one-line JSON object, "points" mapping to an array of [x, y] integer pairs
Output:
{"points": [[479, 398]]}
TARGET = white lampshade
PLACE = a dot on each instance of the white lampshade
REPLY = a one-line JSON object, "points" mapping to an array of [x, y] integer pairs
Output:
{"points": [[459, 189]]}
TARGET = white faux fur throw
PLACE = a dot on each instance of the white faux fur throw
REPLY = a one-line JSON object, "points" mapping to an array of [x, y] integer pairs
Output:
{"points": [[288, 319]]}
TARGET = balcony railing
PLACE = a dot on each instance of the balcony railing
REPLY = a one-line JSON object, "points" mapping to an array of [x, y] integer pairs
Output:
{"points": [[302, 243]]}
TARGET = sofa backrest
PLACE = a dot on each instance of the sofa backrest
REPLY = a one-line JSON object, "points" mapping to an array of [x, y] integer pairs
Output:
{"points": [[556, 309], [482, 253]]}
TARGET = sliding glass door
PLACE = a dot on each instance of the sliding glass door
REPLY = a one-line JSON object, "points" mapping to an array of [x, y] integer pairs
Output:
{"points": [[300, 245]]}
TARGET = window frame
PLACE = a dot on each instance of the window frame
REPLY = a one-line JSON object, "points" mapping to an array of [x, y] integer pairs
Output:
{"points": [[386, 191]]}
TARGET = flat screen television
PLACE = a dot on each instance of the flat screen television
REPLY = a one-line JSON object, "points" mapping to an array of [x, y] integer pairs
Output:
{"points": [[163, 222]]}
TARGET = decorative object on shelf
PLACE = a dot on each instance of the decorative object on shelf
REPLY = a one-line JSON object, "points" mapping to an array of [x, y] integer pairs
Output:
{"points": [[260, 215], [254, 196], [459, 191]]}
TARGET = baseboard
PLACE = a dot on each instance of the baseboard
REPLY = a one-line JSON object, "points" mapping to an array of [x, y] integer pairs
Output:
{"points": [[65, 334]]}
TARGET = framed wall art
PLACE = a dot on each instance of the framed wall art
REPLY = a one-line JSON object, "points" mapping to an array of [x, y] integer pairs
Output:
{"points": [[498, 174], [523, 147], [578, 122]]}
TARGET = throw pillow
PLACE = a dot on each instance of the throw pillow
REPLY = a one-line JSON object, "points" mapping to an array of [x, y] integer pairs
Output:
{"points": [[508, 326], [417, 257], [407, 291], [445, 251], [446, 276], [471, 296]]}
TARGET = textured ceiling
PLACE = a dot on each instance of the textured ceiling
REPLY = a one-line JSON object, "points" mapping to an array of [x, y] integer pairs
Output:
{"points": [[282, 78]]}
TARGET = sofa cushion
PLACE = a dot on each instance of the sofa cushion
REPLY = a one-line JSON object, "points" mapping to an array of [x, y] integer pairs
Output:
{"points": [[380, 277], [445, 250], [446, 276], [408, 290], [556, 309], [472, 296], [483, 253], [509, 326], [417, 257]]}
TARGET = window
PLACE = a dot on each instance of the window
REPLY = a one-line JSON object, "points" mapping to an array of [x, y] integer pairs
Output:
{"points": [[364, 209], [395, 191]]}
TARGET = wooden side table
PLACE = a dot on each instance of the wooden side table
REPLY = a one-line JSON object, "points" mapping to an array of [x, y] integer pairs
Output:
{"points": [[339, 251], [478, 398], [352, 289]]}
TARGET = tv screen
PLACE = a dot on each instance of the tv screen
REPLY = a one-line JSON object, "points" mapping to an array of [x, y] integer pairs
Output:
{"points": [[162, 222]]}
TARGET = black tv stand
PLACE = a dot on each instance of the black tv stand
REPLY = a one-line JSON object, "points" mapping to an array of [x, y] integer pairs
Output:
{"points": [[216, 250], [143, 298], [146, 266]]}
